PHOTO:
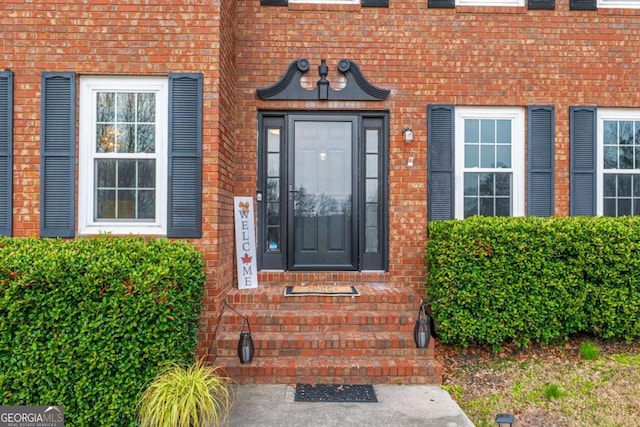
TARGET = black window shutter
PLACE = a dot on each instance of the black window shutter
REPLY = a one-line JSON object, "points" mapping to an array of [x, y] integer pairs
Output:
{"points": [[582, 159], [441, 4], [6, 152], [541, 4], [273, 2], [540, 183], [185, 155], [441, 162], [375, 3], [583, 4], [58, 155]]}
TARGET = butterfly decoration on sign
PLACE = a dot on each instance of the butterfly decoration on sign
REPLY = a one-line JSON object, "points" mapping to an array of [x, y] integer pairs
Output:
{"points": [[244, 206]]}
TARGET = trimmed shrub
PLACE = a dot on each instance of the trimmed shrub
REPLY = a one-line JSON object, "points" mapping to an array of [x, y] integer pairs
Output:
{"points": [[493, 280], [87, 323]]}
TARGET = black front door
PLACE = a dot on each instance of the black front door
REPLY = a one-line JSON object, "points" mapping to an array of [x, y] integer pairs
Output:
{"points": [[322, 191], [321, 186]]}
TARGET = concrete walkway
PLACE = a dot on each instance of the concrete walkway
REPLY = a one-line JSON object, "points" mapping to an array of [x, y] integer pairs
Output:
{"points": [[398, 405]]}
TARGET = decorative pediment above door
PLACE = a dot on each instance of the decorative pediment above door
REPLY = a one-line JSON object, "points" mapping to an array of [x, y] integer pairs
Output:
{"points": [[357, 87]]}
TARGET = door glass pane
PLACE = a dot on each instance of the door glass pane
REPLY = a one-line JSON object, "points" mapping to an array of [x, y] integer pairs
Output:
{"points": [[321, 193], [372, 142]]}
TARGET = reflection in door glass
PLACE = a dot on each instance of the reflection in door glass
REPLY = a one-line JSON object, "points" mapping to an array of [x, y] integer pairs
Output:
{"points": [[273, 190]]}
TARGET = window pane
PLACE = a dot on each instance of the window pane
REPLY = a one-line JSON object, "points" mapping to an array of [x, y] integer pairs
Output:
{"points": [[273, 189], [273, 213], [611, 157], [273, 140], [486, 206], [626, 133], [146, 139], [147, 174], [504, 131], [636, 186], [105, 204], [624, 207], [372, 141], [610, 132], [626, 158], [487, 132], [147, 107], [472, 131], [470, 206], [273, 164], [105, 173], [471, 156], [503, 206], [488, 156], [273, 239], [503, 184], [371, 219], [126, 204], [371, 240], [105, 138], [126, 173], [146, 204], [624, 185], [372, 166], [636, 207], [486, 184], [470, 184], [126, 139], [609, 185], [372, 190], [105, 107], [504, 156], [126, 107], [609, 207]]}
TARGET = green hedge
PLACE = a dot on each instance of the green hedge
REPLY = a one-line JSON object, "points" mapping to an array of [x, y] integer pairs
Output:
{"points": [[497, 280], [86, 323]]}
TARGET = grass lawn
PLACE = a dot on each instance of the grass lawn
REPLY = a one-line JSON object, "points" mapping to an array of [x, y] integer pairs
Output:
{"points": [[584, 382]]}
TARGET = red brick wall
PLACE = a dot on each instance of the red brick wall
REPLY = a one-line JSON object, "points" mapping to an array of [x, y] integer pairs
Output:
{"points": [[124, 37], [483, 56]]}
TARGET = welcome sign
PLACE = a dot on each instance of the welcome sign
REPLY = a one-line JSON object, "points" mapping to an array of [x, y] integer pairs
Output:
{"points": [[245, 243]]}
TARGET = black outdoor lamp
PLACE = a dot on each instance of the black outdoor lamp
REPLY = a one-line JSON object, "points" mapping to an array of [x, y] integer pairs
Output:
{"points": [[505, 420], [422, 329], [245, 343]]}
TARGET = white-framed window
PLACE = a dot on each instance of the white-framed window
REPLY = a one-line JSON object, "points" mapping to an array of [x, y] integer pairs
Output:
{"points": [[514, 3], [618, 162], [123, 155], [489, 161], [621, 4]]}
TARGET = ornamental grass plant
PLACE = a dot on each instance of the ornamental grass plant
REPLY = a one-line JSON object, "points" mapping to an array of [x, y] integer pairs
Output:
{"points": [[186, 396]]}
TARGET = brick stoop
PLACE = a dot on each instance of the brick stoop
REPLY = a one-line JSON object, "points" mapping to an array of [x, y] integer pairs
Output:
{"points": [[324, 339]]}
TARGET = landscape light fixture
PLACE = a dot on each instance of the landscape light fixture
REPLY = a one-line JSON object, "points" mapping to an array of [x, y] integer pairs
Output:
{"points": [[505, 420], [422, 328], [407, 134], [246, 348]]}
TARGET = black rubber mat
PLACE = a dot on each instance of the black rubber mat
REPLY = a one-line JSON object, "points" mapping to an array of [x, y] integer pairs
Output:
{"points": [[335, 393]]}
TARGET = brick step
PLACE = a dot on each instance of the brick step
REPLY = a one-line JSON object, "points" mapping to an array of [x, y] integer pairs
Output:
{"points": [[371, 298], [315, 344], [322, 321], [335, 370]]}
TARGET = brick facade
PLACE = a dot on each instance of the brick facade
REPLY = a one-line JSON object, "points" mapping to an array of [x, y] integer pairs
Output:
{"points": [[467, 56]]}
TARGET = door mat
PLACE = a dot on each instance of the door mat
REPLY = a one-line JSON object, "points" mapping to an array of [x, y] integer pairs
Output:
{"points": [[335, 393], [331, 290]]}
